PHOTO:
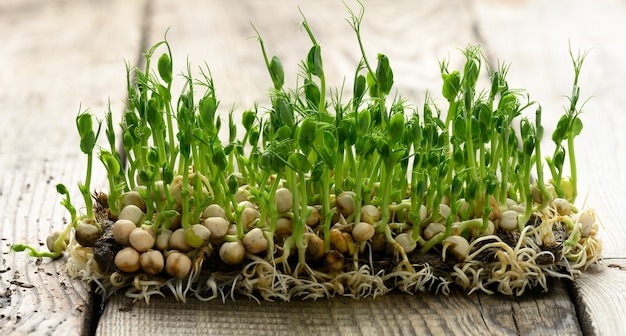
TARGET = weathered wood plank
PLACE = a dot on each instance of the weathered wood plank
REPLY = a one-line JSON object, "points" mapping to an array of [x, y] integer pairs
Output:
{"points": [[392, 314], [415, 36], [534, 37], [55, 56]]}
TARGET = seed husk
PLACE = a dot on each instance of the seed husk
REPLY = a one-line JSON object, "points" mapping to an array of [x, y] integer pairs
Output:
{"points": [[363, 231], [178, 265], [283, 200], [179, 242], [87, 234], [455, 246], [162, 242], [370, 214], [218, 227], [134, 198], [52, 238], [249, 217], [562, 206], [197, 235], [132, 213], [142, 239], [314, 217], [152, 262], [508, 220], [255, 241], [432, 230], [404, 240], [333, 261], [284, 227], [127, 260], [345, 203], [122, 229], [213, 210], [232, 253], [315, 246]]}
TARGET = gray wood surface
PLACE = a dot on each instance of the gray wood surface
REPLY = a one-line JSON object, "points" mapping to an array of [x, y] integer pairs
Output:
{"points": [[393, 314], [57, 55], [54, 57]]}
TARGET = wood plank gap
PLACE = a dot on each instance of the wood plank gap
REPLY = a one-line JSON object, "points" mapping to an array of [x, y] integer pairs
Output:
{"points": [[582, 313]]}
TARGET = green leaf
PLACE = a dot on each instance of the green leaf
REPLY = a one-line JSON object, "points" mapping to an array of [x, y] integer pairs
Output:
{"points": [[165, 94], [371, 83], [247, 119], [229, 148], [346, 131], [475, 128], [307, 130], [128, 141], [508, 104], [265, 161], [364, 121], [457, 185], [277, 73], [471, 69], [364, 146], [576, 128], [560, 132], [232, 127], [384, 74], [219, 159], [154, 115], [167, 174], [359, 87], [330, 148], [318, 171], [84, 123], [285, 112], [460, 157], [110, 162], [491, 183], [314, 61], [299, 162], [165, 68], [206, 110], [19, 247], [62, 189], [253, 139], [143, 177], [396, 128], [397, 155], [458, 128], [311, 92], [528, 146], [284, 133], [559, 158], [233, 184], [451, 85]]}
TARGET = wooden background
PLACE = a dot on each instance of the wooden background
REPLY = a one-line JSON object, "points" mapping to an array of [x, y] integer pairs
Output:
{"points": [[58, 55]]}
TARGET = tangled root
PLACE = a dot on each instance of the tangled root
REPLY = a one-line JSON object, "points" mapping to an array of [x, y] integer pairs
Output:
{"points": [[492, 265]]}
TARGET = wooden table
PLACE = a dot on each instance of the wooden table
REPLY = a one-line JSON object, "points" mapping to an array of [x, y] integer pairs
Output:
{"points": [[57, 56]]}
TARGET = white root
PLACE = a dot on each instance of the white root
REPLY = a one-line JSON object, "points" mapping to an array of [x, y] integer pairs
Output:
{"points": [[487, 264]]}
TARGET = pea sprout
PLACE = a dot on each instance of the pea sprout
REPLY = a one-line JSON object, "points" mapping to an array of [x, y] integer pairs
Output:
{"points": [[321, 195]]}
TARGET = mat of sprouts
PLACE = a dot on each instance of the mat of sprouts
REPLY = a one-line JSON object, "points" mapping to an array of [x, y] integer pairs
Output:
{"points": [[317, 196]]}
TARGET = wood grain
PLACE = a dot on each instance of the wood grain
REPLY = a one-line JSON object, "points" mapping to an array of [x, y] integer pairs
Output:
{"points": [[55, 56], [391, 314]]}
